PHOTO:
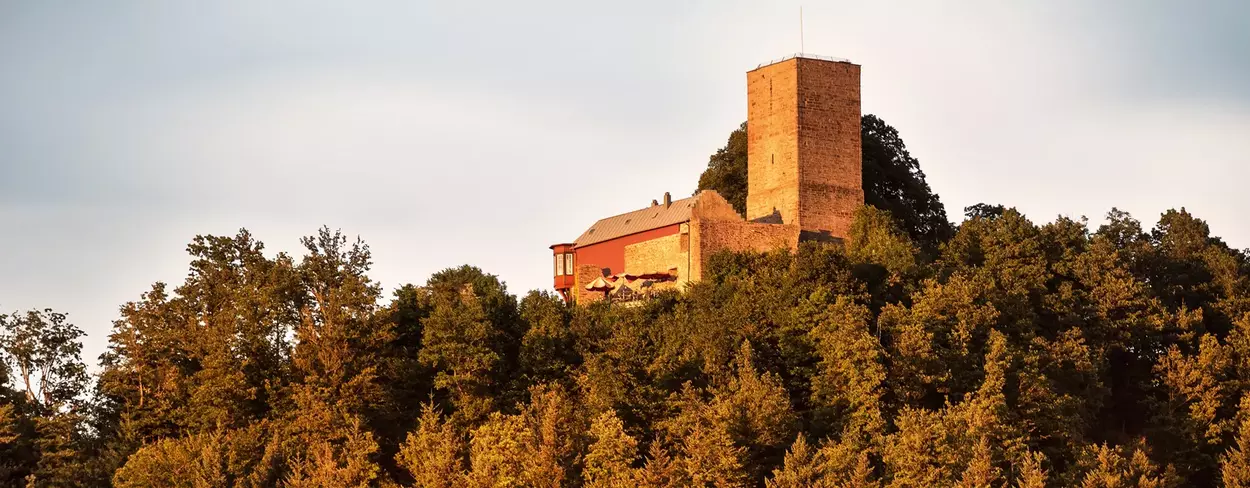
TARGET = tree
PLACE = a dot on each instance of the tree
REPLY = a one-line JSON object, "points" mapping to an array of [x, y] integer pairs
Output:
{"points": [[660, 470], [325, 444], [984, 211], [346, 463], [12, 469], [470, 341], [44, 349], [497, 452], [547, 349], [213, 354], [982, 471], [754, 410], [894, 182], [803, 468], [340, 337], [1024, 355], [711, 459], [1031, 473], [404, 380], [847, 386], [238, 457], [239, 307], [611, 454], [558, 429], [1111, 468], [432, 454], [727, 170], [1235, 463], [144, 382]]}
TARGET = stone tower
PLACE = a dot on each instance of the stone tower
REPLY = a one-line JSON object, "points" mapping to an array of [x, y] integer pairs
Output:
{"points": [[803, 145]]}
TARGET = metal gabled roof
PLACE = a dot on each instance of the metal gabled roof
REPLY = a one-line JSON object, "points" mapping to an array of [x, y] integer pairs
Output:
{"points": [[653, 217]]}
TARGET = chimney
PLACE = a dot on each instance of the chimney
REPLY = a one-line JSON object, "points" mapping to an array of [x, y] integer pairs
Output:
{"points": [[654, 203], [668, 199]]}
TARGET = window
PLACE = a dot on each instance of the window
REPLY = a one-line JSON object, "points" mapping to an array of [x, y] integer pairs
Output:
{"points": [[568, 263], [559, 265]]}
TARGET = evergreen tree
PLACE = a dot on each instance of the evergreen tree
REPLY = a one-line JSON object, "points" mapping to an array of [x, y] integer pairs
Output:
{"points": [[225, 458], [1031, 474], [848, 383], [611, 454], [497, 452], [660, 470], [710, 458], [547, 349], [1235, 463], [12, 467], [803, 468], [1111, 468], [432, 454], [982, 471]]}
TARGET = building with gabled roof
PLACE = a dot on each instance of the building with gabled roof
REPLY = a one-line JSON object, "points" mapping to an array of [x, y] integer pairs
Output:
{"points": [[804, 183]]}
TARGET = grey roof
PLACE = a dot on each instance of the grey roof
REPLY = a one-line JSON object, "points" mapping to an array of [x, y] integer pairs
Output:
{"points": [[637, 221]]}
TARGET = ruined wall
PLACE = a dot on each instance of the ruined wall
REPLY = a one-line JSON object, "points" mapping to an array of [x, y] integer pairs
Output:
{"points": [[803, 145], [708, 238], [714, 227]]}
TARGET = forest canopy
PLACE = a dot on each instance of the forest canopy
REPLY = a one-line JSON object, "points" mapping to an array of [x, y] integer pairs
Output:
{"points": [[998, 352]]}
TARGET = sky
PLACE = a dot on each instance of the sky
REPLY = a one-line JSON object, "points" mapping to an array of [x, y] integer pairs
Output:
{"points": [[446, 133]]}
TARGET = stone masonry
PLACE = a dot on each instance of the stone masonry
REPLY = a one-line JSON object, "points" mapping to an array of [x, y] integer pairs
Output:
{"points": [[715, 227], [586, 273], [803, 145], [661, 255]]}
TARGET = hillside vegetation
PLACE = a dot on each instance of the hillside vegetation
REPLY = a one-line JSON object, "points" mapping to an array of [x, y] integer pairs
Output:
{"points": [[996, 353]]}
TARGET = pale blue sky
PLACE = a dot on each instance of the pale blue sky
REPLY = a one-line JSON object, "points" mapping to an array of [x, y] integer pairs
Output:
{"points": [[481, 132]]}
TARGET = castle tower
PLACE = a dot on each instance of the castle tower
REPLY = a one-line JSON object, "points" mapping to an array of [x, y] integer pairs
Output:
{"points": [[803, 145]]}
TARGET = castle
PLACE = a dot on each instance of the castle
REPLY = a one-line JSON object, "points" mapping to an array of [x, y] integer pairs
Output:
{"points": [[804, 183]]}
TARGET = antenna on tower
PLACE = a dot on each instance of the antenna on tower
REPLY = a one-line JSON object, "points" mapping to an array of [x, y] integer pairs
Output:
{"points": [[801, 29]]}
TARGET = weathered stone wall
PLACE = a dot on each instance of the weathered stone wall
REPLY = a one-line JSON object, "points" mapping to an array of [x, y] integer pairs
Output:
{"points": [[714, 227], [708, 238], [803, 145], [586, 273], [664, 254], [772, 143], [712, 206], [830, 157]]}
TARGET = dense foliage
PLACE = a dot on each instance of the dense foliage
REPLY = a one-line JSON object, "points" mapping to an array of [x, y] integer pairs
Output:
{"points": [[1001, 353], [1021, 355]]}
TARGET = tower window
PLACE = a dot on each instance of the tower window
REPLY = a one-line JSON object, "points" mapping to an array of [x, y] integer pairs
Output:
{"points": [[559, 265], [568, 263]]}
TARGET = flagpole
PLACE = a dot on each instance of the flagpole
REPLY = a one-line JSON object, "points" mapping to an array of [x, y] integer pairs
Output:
{"points": [[801, 49]]}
